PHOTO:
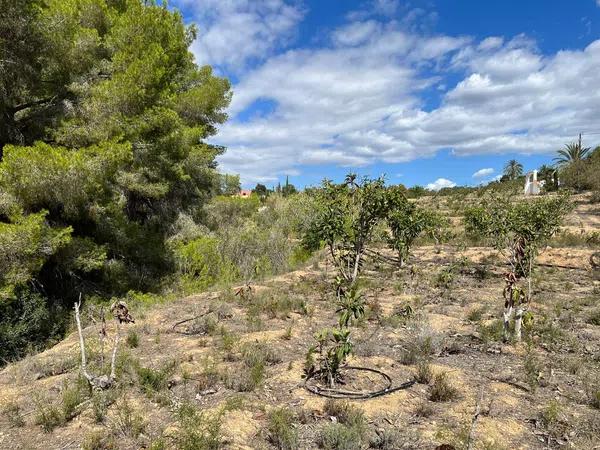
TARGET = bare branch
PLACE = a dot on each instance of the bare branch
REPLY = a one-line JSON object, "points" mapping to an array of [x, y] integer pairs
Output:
{"points": [[114, 353], [81, 342], [102, 381], [44, 101]]}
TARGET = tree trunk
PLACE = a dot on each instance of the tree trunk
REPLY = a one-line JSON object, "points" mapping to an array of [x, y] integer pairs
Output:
{"points": [[6, 119], [507, 314], [518, 321]]}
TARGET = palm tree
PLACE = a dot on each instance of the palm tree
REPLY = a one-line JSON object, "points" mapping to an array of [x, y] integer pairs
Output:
{"points": [[350, 180], [513, 169], [548, 174], [571, 153]]}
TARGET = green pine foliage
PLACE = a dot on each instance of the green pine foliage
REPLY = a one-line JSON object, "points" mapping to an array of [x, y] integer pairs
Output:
{"points": [[105, 116]]}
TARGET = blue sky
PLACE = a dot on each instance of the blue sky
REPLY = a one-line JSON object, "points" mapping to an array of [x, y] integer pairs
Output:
{"points": [[428, 92]]}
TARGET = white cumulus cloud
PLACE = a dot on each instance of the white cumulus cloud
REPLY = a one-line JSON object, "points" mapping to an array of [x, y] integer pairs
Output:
{"points": [[356, 32], [483, 173], [231, 33], [360, 98], [440, 183]]}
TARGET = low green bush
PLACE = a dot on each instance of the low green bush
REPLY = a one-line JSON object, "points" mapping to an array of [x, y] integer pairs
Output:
{"points": [[47, 415], [13, 415], [133, 339], [73, 394], [282, 433], [340, 437], [154, 380], [346, 413], [198, 430], [441, 390]]}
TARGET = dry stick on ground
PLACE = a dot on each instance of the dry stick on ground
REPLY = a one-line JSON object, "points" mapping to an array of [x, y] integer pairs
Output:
{"points": [[102, 381]]}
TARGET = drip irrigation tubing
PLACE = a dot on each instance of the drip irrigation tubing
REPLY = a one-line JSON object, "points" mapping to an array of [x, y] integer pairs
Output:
{"points": [[181, 322], [593, 263], [356, 395]]}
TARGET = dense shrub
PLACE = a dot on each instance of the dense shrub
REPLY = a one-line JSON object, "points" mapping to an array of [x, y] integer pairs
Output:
{"points": [[27, 322], [224, 211], [582, 175], [200, 259], [26, 243], [256, 251], [97, 166], [242, 239]]}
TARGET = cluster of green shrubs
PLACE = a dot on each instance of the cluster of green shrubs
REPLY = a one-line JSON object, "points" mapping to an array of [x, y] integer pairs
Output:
{"points": [[583, 174], [241, 239], [107, 184]]}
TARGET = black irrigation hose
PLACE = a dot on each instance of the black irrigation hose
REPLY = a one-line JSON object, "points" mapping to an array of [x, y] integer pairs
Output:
{"points": [[389, 259], [557, 266], [181, 322], [356, 395]]}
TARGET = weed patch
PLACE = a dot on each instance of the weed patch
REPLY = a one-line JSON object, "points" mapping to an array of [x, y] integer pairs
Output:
{"points": [[128, 421], [387, 439], [133, 340], [425, 343], [441, 389], [13, 415], [345, 413], [198, 430], [153, 380], [99, 440], [282, 433], [532, 367], [594, 317], [339, 437], [424, 373], [72, 396], [47, 415]]}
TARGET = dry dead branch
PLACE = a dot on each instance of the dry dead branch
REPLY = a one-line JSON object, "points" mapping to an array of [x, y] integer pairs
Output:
{"points": [[121, 314]]}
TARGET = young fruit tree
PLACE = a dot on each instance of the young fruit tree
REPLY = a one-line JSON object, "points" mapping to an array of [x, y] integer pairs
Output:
{"points": [[344, 221], [407, 221], [518, 230], [346, 215]]}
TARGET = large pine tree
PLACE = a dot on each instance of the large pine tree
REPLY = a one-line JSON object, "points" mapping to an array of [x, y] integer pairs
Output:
{"points": [[104, 121]]}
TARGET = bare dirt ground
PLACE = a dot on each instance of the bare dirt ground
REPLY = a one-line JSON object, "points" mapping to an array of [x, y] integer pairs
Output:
{"points": [[537, 394]]}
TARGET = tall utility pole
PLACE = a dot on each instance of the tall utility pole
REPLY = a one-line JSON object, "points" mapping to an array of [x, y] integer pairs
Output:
{"points": [[580, 140]]}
